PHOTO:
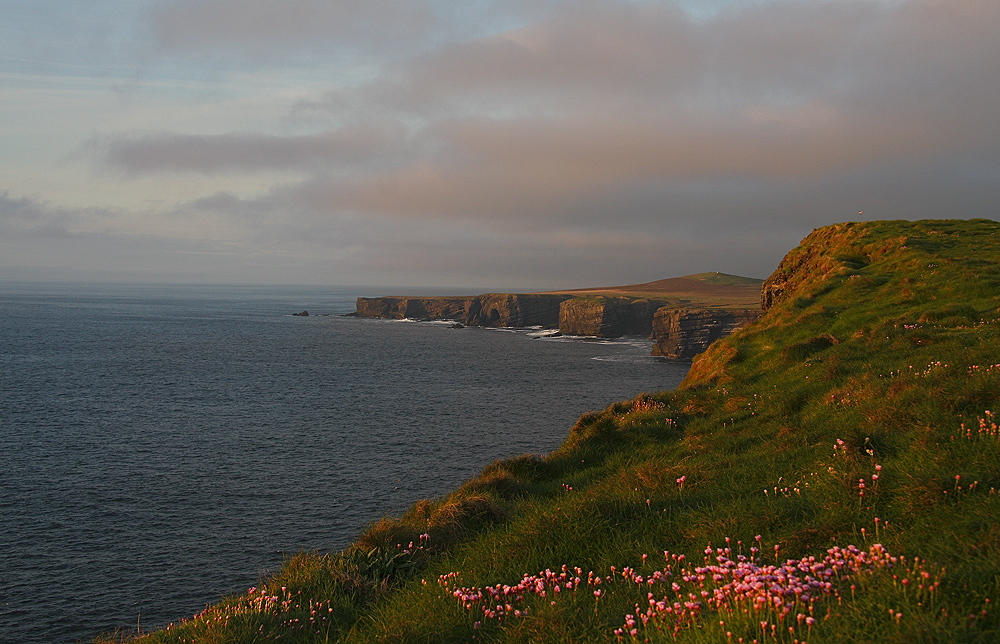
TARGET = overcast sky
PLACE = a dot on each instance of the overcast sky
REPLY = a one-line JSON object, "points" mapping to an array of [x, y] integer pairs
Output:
{"points": [[504, 145]]}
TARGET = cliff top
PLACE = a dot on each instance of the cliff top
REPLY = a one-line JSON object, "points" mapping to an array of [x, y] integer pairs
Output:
{"points": [[702, 290]]}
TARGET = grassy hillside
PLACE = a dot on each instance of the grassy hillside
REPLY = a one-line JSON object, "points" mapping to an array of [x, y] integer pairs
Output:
{"points": [[828, 474], [703, 290]]}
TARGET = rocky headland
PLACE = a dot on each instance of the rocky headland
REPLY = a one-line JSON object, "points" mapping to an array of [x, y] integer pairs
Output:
{"points": [[682, 316]]}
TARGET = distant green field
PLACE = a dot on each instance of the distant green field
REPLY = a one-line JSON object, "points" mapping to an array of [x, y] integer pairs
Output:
{"points": [[702, 290], [725, 278], [827, 474]]}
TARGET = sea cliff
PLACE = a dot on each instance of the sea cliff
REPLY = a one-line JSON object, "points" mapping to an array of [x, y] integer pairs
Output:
{"points": [[681, 334], [677, 333], [416, 308], [607, 317], [511, 310]]}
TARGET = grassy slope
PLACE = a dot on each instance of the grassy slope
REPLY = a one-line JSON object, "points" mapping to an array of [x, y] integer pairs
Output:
{"points": [[879, 359]]}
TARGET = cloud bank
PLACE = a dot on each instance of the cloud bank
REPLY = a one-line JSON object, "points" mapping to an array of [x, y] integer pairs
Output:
{"points": [[548, 144]]}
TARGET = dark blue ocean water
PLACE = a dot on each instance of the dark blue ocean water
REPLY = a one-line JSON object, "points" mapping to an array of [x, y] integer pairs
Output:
{"points": [[161, 446]]}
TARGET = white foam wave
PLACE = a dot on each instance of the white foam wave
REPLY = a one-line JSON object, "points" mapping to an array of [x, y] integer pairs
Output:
{"points": [[630, 359], [540, 332]]}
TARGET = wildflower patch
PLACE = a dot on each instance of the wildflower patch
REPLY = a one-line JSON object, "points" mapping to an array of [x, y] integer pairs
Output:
{"points": [[781, 597]]}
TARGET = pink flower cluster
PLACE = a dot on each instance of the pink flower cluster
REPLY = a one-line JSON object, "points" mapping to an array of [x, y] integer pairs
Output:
{"points": [[875, 475], [504, 601], [741, 585], [780, 595], [987, 427]]}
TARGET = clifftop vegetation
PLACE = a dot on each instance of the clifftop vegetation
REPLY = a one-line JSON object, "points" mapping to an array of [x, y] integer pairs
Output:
{"points": [[703, 290], [827, 474]]}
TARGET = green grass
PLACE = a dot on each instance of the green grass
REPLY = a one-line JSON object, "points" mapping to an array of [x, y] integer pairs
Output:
{"points": [[879, 364], [724, 278]]}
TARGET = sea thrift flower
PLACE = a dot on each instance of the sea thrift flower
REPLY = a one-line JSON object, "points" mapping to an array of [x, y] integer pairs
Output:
{"points": [[723, 584]]}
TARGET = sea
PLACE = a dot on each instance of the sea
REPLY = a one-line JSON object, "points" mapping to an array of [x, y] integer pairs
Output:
{"points": [[162, 446]]}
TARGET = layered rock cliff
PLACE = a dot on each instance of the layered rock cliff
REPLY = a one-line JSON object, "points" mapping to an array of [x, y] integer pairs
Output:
{"points": [[607, 317], [677, 333], [508, 310], [414, 308], [489, 309], [681, 334]]}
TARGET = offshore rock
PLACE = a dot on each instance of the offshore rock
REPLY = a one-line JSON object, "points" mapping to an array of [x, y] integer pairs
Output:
{"points": [[681, 334], [514, 310], [607, 317]]}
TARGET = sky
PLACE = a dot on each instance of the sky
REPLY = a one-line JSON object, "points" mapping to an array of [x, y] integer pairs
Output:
{"points": [[501, 145]]}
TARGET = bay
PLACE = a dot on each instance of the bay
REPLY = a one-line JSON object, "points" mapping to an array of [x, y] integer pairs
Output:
{"points": [[163, 445]]}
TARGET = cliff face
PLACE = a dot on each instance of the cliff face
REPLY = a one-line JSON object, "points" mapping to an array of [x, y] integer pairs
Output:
{"points": [[416, 308], [607, 317], [680, 334], [490, 309], [507, 310]]}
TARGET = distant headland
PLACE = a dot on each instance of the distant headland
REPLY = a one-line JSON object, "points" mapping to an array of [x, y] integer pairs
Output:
{"points": [[681, 315]]}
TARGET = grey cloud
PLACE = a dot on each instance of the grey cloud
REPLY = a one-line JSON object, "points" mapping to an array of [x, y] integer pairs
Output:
{"points": [[596, 48], [357, 147], [446, 252], [636, 55], [606, 92], [263, 30], [517, 172], [28, 216], [794, 91], [636, 59], [789, 46], [621, 134], [209, 25]]}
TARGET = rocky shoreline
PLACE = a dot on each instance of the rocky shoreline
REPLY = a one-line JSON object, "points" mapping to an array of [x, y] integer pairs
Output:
{"points": [[677, 333]]}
